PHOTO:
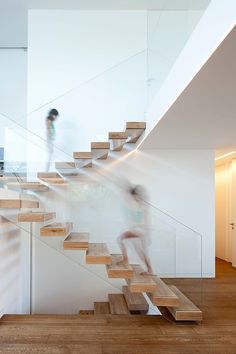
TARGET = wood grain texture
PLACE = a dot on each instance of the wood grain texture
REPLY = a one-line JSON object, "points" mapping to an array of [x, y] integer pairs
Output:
{"points": [[101, 308], [56, 229], [100, 145], [32, 186], [41, 175], [135, 125], [18, 203], [140, 283], [65, 165], [118, 305], [98, 253], [118, 270], [163, 295], [76, 241], [134, 334], [35, 217], [118, 135], [82, 155], [187, 310], [135, 301]]}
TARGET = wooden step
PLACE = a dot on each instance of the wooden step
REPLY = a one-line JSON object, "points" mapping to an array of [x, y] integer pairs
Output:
{"points": [[163, 295], [141, 283], [83, 159], [186, 311], [65, 165], [134, 131], [118, 135], [32, 186], [76, 241], [82, 155], [118, 140], [100, 150], [101, 308], [56, 229], [98, 253], [115, 270], [135, 301], [86, 312], [135, 125], [18, 203], [51, 177], [42, 175], [118, 305], [100, 145], [35, 217]]}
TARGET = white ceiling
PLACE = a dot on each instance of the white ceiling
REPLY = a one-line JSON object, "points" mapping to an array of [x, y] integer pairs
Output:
{"points": [[13, 13], [204, 116]]}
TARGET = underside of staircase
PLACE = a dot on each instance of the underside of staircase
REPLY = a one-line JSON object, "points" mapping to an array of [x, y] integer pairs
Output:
{"points": [[132, 298]]}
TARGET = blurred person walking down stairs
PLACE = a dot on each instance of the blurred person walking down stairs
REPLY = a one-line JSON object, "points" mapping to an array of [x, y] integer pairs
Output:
{"points": [[51, 134]]}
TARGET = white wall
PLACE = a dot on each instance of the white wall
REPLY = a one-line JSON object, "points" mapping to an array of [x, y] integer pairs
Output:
{"points": [[215, 24], [13, 97], [100, 50], [15, 261], [179, 182]]}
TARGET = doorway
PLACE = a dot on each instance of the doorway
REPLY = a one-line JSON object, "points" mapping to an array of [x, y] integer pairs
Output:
{"points": [[225, 182]]}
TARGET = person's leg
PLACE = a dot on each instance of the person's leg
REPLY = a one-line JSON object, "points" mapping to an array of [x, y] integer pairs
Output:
{"points": [[142, 251], [125, 236]]}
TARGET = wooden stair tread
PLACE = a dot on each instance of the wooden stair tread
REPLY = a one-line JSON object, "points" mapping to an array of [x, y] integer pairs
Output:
{"points": [[141, 282], [135, 125], [76, 241], [18, 203], [135, 301], [65, 165], [51, 177], [163, 295], [100, 145], [118, 305], [187, 310], [35, 216], [56, 229], [101, 308], [82, 155], [118, 135], [48, 175], [115, 270], [98, 253], [35, 186]]}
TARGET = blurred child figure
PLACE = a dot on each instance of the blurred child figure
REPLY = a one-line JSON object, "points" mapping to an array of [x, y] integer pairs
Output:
{"points": [[139, 227], [51, 134]]}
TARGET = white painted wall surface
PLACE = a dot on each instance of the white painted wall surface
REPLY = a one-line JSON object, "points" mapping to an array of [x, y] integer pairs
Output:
{"points": [[15, 262], [13, 96], [216, 22], [179, 182]]}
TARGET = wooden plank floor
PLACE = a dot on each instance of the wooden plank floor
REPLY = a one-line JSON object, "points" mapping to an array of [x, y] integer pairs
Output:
{"points": [[135, 334]]}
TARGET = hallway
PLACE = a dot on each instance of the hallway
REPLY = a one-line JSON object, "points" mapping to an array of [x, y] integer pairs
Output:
{"points": [[134, 334]]}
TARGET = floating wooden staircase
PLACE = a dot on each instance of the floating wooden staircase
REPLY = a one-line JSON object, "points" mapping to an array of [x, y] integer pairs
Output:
{"points": [[131, 299]]}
